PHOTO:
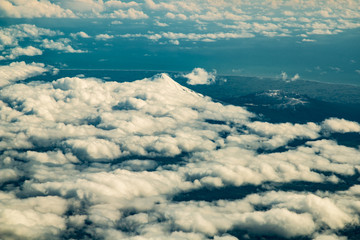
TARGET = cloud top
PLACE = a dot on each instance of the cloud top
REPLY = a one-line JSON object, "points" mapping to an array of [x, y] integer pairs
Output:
{"points": [[200, 76], [109, 160], [17, 71]]}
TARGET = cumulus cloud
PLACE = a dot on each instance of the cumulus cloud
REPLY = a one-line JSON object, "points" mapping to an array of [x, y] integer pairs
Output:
{"points": [[114, 160], [222, 216], [179, 16], [83, 8], [32, 218], [150, 159], [200, 76], [278, 222], [340, 125], [284, 76], [80, 34], [131, 13], [10, 36], [160, 24], [19, 51], [160, 6], [33, 9], [17, 71], [95, 149], [103, 37], [295, 77], [60, 45], [120, 4], [291, 215], [329, 237], [175, 42]]}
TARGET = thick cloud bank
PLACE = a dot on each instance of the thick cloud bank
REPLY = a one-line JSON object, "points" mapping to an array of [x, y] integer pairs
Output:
{"points": [[151, 159], [19, 71]]}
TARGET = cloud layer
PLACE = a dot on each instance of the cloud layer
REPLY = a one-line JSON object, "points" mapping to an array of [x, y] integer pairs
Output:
{"points": [[12, 40], [247, 18], [84, 157], [151, 159], [17, 71]]}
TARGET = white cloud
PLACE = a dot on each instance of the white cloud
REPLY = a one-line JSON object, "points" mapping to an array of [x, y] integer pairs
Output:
{"points": [[120, 4], [340, 125], [286, 130], [175, 42], [60, 45], [308, 40], [33, 9], [11, 35], [330, 237], [80, 34], [83, 7], [160, 24], [265, 27], [8, 175], [214, 36], [179, 16], [160, 6], [288, 13], [131, 13], [79, 155], [17, 71], [107, 157], [208, 37], [324, 211], [19, 51], [284, 21], [95, 149], [284, 76], [200, 76], [291, 214], [324, 32], [103, 37], [295, 77], [278, 222], [208, 16], [31, 218]]}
